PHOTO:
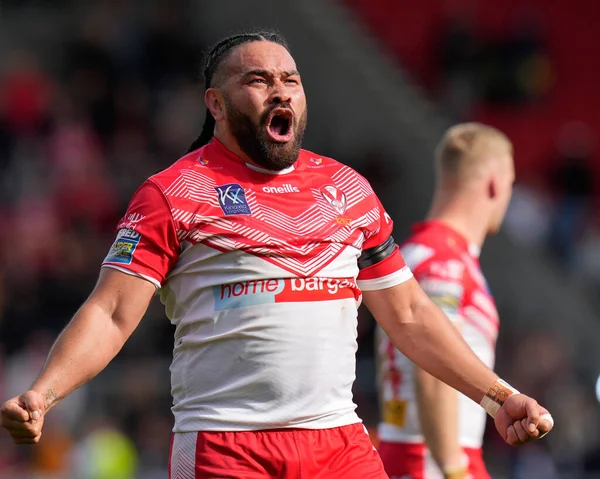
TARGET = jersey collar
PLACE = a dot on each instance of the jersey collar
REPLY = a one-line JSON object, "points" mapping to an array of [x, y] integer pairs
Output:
{"points": [[223, 150]]}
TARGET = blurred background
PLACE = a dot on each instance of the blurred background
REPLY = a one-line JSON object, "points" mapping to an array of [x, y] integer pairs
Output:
{"points": [[95, 96]]}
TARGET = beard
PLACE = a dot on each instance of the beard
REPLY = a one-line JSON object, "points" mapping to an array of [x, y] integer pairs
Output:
{"points": [[254, 140]]}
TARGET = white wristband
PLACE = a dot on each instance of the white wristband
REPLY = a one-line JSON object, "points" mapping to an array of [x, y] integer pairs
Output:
{"points": [[496, 395]]}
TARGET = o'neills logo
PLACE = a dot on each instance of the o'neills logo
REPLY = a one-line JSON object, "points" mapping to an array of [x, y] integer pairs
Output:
{"points": [[287, 188], [291, 290], [336, 198]]}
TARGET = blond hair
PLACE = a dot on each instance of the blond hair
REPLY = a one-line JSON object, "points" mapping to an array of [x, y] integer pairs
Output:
{"points": [[467, 148]]}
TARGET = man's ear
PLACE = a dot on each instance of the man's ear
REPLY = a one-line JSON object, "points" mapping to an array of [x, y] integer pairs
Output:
{"points": [[215, 103]]}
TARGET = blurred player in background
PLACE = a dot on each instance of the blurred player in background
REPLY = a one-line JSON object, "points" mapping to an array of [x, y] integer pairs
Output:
{"points": [[429, 430], [261, 252]]}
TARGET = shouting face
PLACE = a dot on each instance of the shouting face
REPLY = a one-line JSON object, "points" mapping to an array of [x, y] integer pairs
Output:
{"points": [[259, 104]]}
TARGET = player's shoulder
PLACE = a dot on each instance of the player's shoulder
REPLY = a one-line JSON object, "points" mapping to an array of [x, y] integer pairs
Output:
{"points": [[310, 159], [427, 252], [334, 169], [193, 164]]}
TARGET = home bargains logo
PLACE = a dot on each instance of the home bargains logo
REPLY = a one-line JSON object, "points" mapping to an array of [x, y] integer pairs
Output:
{"points": [[336, 198], [232, 199], [291, 290]]}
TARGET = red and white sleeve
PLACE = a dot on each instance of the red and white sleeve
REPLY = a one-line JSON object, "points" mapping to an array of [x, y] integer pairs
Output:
{"points": [[146, 243], [381, 264]]}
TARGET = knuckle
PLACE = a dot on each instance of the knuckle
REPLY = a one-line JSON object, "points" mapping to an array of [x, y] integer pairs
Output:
{"points": [[30, 429]]}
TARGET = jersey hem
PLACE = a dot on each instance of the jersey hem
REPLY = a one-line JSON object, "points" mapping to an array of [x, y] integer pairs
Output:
{"points": [[206, 426], [155, 282]]}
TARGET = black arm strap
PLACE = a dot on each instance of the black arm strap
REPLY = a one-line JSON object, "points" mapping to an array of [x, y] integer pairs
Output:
{"points": [[376, 254]]}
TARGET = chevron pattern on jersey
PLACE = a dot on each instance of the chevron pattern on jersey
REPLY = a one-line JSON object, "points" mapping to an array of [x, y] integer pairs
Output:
{"points": [[303, 243]]}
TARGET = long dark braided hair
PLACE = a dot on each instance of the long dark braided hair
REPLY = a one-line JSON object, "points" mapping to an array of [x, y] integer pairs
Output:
{"points": [[213, 60]]}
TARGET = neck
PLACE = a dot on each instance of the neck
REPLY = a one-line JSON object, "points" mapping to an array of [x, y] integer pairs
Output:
{"points": [[464, 214], [228, 141]]}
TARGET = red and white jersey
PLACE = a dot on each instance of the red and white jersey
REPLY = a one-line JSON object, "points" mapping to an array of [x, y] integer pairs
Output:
{"points": [[447, 268], [258, 272]]}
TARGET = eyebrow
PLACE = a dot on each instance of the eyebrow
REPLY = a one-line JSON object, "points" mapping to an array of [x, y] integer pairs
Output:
{"points": [[265, 73]]}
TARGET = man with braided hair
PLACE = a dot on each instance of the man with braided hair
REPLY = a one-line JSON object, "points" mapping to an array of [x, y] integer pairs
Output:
{"points": [[261, 253]]}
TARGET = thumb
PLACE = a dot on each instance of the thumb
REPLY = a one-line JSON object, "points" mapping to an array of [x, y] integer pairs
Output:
{"points": [[533, 414], [33, 403]]}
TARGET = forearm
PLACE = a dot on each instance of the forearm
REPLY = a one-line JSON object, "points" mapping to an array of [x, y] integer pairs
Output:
{"points": [[418, 328], [84, 348], [438, 416], [430, 340]]}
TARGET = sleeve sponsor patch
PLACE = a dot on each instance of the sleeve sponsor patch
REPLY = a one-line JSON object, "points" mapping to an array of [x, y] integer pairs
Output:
{"points": [[122, 249], [446, 294]]}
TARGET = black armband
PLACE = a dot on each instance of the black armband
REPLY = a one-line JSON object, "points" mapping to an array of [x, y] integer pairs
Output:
{"points": [[376, 254]]}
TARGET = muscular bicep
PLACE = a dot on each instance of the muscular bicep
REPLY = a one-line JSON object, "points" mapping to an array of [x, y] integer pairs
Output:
{"points": [[123, 297]]}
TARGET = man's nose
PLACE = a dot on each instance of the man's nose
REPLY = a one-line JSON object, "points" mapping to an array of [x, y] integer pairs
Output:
{"points": [[280, 94]]}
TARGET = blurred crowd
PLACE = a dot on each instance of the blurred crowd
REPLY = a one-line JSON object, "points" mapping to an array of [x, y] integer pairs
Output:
{"points": [[556, 210], [104, 97], [83, 121], [512, 69], [554, 206]]}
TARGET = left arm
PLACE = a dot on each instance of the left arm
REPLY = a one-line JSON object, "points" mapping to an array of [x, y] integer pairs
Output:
{"points": [[423, 333]]}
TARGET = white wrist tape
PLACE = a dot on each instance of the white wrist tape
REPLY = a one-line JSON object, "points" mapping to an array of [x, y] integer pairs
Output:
{"points": [[496, 395]]}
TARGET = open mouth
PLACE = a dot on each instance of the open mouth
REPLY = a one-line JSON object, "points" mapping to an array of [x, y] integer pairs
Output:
{"points": [[280, 125]]}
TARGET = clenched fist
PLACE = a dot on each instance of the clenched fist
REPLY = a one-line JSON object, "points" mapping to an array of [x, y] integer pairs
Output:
{"points": [[521, 419], [23, 417]]}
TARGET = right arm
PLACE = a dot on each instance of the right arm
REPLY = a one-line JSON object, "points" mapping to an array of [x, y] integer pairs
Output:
{"points": [[143, 253], [90, 341], [138, 262], [95, 335]]}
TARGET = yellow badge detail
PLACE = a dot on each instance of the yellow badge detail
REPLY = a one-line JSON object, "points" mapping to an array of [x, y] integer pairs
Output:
{"points": [[394, 412]]}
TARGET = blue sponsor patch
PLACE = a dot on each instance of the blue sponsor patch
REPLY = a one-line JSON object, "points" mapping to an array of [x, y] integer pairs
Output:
{"points": [[123, 248], [232, 199], [246, 293]]}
